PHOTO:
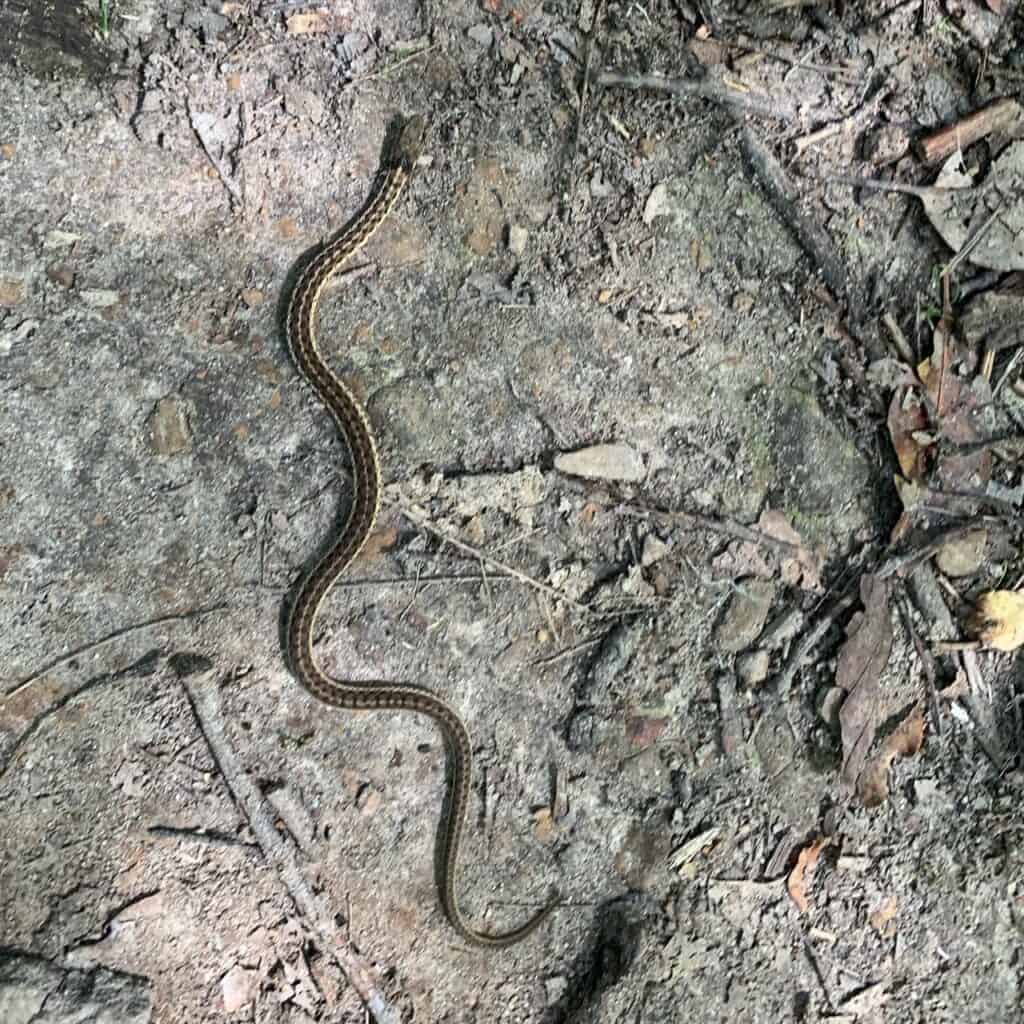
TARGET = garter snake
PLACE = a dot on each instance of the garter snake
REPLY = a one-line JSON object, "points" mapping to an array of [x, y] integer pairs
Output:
{"points": [[354, 426]]}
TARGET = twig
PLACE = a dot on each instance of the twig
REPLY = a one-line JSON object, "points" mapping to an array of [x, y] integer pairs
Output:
{"points": [[202, 696], [876, 185], [707, 88], [797, 63], [588, 56], [998, 116], [726, 526], [197, 613], [476, 553], [385, 71], [568, 652], [778, 689], [227, 179], [927, 662], [899, 341], [812, 139]]}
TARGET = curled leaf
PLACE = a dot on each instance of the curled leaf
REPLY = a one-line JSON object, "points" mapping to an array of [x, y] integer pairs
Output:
{"points": [[800, 876], [998, 619], [905, 741]]}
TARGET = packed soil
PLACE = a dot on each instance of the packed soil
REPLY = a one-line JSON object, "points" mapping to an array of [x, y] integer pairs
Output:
{"points": [[656, 521]]}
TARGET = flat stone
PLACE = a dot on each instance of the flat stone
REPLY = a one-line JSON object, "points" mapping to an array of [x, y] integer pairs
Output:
{"points": [[654, 550], [11, 292], [602, 462], [517, 237], [100, 298], [482, 35], [168, 428], [303, 103], [745, 617], [752, 667], [963, 556], [237, 988]]}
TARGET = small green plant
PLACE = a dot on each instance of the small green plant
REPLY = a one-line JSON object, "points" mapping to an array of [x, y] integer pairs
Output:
{"points": [[104, 18]]}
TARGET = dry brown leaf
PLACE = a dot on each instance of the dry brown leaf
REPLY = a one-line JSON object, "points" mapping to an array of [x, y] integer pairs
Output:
{"points": [[904, 741], [862, 658], [957, 210], [802, 567], [998, 619], [800, 877], [906, 418], [882, 919], [544, 825], [306, 23], [643, 730]]}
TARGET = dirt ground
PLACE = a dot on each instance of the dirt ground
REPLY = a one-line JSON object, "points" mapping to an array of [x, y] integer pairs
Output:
{"points": [[627, 348]]}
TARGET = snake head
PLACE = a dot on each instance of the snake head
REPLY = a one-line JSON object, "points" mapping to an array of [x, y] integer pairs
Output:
{"points": [[410, 142]]}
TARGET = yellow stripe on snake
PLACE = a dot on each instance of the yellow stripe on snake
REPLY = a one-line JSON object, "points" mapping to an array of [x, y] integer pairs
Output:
{"points": [[357, 432]]}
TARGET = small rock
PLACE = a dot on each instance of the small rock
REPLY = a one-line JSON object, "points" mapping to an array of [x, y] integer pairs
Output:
{"points": [[563, 45], [654, 550], [641, 853], [368, 800], [886, 145], [752, 667], [599, 186], [303, 103], [963, 556], [100, 298], [517, 237], [742, 302], [252, 297], [482, 35], [57, 239], [62, 274], [237, 988], [555, 988], [11, 292], [602, 462], [168, 428], [8, 339], [658, 204], [635, 585], [831, 702], [745, 617]]}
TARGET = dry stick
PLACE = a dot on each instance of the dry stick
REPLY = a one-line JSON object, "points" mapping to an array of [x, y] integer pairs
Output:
{"points": [[927, 662], [197, 613], [202, 698], [998, 116], [468, 549], [895, 565], [779, 688], [877, 185], [706, 88], [726, 526], [786, 200], [419, 580], [567, 653], [588, 56], [226, 179]]}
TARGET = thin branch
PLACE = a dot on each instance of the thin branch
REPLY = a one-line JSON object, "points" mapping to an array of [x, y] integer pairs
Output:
{"points": [[705, 88], [93, 645], [716, 525], [201, 692], [476, 553]]}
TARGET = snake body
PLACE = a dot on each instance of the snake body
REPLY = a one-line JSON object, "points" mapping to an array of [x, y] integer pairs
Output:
{"points": [[354, 426]]}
